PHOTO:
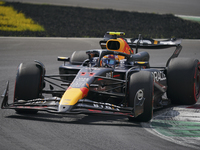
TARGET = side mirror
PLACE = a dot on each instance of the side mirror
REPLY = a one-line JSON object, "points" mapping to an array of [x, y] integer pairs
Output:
{"points": [[63, 59]]}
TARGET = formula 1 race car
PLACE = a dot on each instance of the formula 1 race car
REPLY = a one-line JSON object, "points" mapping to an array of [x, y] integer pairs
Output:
{"points": [[114, 80]]}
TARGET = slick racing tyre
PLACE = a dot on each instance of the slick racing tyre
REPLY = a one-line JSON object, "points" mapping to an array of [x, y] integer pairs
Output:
{"points": [[29, 83], [142, 81], [78, 57], [183, 81]]}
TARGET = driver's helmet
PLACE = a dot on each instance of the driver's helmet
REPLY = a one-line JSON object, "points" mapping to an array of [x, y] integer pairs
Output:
{"points": [[108, 61]]}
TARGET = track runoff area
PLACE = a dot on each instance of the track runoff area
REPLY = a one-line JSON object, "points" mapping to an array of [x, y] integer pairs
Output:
{"points": [[180, 124]]}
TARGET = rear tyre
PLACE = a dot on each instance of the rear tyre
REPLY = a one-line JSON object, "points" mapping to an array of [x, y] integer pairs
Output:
{"points": [[142, 80], [29, 83], [183, 79]]}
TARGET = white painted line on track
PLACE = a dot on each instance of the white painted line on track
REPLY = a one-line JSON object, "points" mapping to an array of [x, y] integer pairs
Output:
{"points": [[191, 18], [179, 125], [197, 17]]}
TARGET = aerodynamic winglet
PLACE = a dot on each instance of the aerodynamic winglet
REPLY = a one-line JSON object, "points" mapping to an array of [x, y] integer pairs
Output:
{"points": [[5, 96]]}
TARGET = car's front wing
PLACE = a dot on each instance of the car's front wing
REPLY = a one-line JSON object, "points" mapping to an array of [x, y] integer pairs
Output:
{"points": [[51, 105]]}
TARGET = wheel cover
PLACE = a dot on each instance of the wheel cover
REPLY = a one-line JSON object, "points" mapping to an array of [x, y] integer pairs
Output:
{"points": [[140, 95]]}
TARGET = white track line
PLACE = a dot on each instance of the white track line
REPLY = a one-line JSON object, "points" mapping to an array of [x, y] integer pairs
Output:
{"points": [[176, 115]]}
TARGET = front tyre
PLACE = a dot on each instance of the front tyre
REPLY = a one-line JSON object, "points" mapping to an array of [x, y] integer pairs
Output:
{"points": [[29, 83], [142, 80], [183, 79]]}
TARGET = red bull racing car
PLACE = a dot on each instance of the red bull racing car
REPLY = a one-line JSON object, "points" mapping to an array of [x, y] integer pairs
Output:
{"points": [[114, 80]]}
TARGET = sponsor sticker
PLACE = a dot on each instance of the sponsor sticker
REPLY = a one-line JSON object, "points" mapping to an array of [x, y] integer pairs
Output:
{"points": [[159, 76]]}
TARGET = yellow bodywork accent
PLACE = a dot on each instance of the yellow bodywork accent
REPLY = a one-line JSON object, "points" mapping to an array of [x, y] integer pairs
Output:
{"points": [[141, 62], [62, 57], [123, 47], [121, 43], [116, 33], [155, 42], [71, 96]]}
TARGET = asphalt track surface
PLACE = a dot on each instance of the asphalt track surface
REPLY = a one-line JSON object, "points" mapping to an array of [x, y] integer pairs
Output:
{"points": [[178, 7], [49, 131]]}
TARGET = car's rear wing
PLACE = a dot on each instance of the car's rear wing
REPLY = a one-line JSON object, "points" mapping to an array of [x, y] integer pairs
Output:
{"points": [[153, 44], [140, 42]]}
